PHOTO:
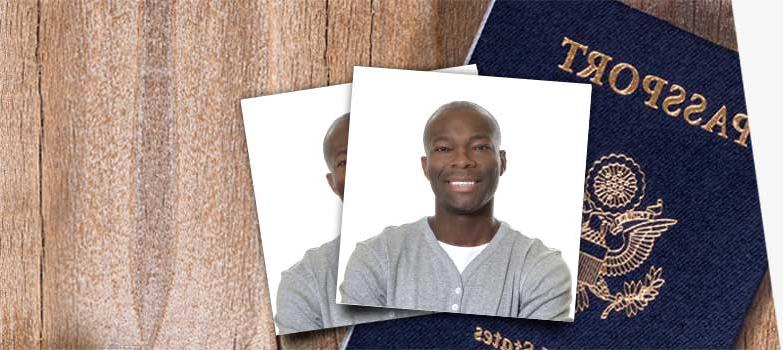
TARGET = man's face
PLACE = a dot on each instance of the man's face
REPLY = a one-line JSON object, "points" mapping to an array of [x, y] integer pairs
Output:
{"points": [[463, 162], [336, 157]]}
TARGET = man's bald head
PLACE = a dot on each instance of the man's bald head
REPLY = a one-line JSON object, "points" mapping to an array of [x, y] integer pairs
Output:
{"points": [[452, 108], [336, 139], [335, 150]]}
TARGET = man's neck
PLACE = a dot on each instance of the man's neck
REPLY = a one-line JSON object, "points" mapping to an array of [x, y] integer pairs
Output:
{"points": [[465, 230]]}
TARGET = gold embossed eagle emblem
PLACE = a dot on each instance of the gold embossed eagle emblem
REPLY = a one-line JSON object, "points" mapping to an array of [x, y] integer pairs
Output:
{"points": [[617, 237]]}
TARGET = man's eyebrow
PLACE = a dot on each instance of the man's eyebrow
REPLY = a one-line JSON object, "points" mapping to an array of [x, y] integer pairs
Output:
{"points": [[439, 138], [480, 137]]}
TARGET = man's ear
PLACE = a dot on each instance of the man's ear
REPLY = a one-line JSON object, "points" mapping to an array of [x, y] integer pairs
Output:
{"points": [[502, 162], [424, 166], [330, 180]]}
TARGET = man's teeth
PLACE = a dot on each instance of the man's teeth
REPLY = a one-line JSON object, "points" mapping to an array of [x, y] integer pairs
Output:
{"points": [[463, 183]]}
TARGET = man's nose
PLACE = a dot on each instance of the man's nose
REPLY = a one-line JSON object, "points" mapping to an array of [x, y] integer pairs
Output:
{"points": [[462, 159]]}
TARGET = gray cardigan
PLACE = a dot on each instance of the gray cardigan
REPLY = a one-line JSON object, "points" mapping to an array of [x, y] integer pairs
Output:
{"points": [[404, 267]]}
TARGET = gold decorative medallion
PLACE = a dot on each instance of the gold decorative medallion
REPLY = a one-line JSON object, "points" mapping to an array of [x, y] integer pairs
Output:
{"points": [[617, 238]]}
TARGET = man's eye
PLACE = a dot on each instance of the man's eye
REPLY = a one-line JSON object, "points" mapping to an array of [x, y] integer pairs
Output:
{"points": [[341, 163], [441, 149], [483, 147]]}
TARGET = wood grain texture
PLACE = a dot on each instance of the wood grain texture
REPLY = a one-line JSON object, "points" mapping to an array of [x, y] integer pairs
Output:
{"points": [[218, 295], [348, 38], [760, 330], [710, 19], [20, 218], [424, 35], [148, 211], [322, 339], [294, 57], [87, 180]]}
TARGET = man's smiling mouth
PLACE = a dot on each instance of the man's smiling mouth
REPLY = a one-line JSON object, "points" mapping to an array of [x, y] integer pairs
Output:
{"points": [[462, 185]]}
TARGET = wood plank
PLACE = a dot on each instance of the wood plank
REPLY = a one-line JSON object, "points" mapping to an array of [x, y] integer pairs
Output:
{"points": [[707, 20], [20, 219], [760, 329], [89, 61], [424, 35], [149, 218], [217, 294], [727, 34], [348, 39], [295, 52], [710, 19], [329, 338]]}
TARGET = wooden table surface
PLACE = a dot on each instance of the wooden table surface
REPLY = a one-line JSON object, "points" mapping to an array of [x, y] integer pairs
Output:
{"points": [[127, 217]]}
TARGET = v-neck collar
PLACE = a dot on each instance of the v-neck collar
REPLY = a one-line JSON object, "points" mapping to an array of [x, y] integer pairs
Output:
{"points": [[493, 245]]}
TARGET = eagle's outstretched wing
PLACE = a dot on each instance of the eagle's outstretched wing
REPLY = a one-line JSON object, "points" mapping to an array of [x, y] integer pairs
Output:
{"points": [[637, 247], [592, 235]]}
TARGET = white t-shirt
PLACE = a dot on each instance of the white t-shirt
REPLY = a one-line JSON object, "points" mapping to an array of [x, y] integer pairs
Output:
{"points": [[462, 256]]}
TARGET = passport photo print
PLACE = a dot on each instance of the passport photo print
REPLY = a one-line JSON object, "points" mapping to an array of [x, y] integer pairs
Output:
{"points": [[296, 146], [464, 194]]}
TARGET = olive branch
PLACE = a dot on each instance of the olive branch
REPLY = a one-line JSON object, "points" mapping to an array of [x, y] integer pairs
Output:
{"points": [[636, 294]]}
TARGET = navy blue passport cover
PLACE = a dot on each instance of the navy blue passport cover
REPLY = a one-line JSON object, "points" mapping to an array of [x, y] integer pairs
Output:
{"points": [[672, 247]]}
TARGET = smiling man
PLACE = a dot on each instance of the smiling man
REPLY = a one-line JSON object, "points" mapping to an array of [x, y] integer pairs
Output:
{"points": [[462, 259]]}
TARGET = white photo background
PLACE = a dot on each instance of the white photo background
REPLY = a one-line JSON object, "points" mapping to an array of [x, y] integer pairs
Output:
{"points": [[297, 209], [544, 129]]}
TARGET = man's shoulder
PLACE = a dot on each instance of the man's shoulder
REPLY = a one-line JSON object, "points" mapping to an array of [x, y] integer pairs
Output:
{"points": [[317, 260], [537, 260], [327, 251], [393, 236], [532, 248]]}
